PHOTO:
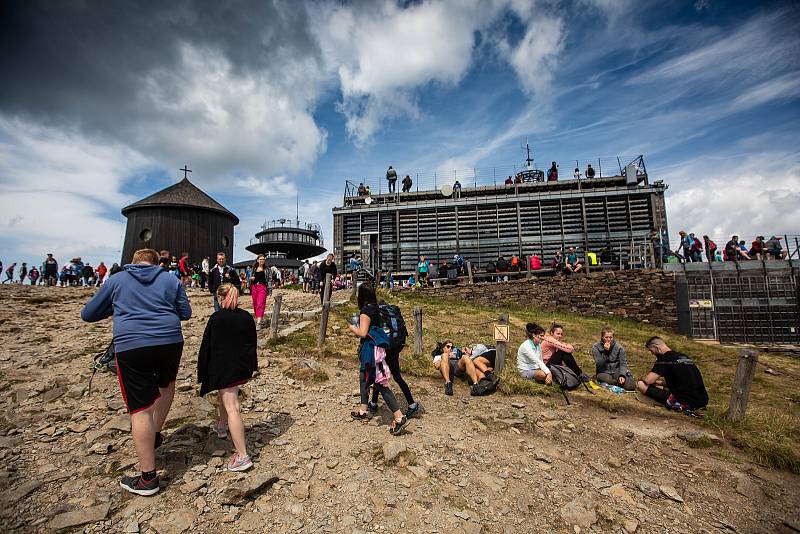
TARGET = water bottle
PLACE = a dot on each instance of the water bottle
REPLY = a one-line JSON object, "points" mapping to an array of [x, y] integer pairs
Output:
{"points": [[618, 390]]}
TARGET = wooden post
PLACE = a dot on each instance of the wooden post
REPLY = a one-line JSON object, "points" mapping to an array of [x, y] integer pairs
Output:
{"points": [[528, 261], [276, 314], [500, 358], [469, 271], [742, 383], [354, 282], [326, 307], [418, 346]]}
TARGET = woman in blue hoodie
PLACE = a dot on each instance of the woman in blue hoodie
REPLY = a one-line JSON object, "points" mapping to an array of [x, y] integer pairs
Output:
{"points": [[370, 334], [147, 305]]}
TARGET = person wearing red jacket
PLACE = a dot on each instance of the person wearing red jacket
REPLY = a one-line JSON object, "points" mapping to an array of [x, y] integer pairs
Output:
{"points": [[183, 267], [101, 274]]}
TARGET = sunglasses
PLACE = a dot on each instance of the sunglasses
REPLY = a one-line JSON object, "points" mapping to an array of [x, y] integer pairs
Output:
{"points": [[448, 346]]}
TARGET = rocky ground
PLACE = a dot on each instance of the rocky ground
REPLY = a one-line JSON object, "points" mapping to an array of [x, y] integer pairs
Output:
{"points": [[488, 464]]}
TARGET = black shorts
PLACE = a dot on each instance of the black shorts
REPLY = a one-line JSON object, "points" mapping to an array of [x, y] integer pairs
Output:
{"points": [[658, 394], [142, 371]]}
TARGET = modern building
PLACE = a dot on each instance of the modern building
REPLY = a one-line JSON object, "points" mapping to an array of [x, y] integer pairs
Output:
{"points": [[180, 218], [287, 242], [624, 212]]}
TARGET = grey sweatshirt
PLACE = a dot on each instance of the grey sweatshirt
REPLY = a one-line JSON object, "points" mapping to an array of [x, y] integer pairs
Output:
{"points": [[613, 361]]}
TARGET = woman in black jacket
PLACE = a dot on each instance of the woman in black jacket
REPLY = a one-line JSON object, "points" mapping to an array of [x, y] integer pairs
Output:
{"points": [[226, 361]]}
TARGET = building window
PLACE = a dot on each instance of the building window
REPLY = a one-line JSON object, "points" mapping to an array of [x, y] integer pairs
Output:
{"points": [[226, 241], [146, 234]]}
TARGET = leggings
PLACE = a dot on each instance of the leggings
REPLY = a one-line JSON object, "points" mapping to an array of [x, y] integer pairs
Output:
{"points": [[259, 294], [387, 394], [567, 359], [613, 379], [393, 361]]}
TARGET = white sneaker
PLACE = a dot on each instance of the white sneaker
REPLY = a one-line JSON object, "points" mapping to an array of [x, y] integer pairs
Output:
{"points": [[239, 464]]}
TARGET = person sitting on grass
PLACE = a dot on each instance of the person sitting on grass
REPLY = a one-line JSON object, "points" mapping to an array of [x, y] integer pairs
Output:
{"points": [[555, 351], [684, 390], [529, 356], [451, 362], [611, 363], [372, 336], [226, 361]]}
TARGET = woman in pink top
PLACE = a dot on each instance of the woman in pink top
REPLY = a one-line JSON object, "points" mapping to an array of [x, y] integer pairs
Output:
{"points": [[555, 351]]}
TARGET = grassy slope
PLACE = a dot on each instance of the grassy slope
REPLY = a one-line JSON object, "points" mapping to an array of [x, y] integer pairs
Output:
{"points": [[770, 433]]}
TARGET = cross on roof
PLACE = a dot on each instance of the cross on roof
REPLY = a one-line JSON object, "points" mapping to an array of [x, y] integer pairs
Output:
{"points": [[185, 170]]}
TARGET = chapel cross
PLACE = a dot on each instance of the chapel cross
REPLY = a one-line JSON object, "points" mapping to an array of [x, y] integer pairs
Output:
{"points": [[185, 170]]}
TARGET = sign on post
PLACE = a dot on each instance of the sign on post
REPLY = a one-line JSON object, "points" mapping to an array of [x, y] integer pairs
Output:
{"points": [[501, 333]]}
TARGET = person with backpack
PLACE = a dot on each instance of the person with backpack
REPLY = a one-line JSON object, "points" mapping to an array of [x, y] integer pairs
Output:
{"points": [[33, 275], [684, 390], [555, 351], [371, 351], [393, 324], [147, 306], [226, 361], [326, 267], [10, 273], [529, 356], [611, 362], [711, 249], [696, 249]]}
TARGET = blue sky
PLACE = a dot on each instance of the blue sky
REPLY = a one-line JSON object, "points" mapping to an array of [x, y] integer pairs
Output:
{"points": [[281, 100]]}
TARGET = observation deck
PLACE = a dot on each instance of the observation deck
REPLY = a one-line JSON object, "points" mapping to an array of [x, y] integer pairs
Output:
{"points": [[288, 239]]}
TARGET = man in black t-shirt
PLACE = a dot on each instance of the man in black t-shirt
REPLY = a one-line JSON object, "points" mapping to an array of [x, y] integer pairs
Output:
{"points": [[685, 390]]}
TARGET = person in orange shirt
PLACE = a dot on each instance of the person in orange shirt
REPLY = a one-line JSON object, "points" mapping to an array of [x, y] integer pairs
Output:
{"points": [[555, 351]]}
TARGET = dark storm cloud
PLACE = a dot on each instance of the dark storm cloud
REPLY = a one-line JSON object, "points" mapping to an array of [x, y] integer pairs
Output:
{"points": [[86, 62]]}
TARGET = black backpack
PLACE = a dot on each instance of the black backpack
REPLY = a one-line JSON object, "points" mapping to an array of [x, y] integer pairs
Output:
{"points": [[393, 324], [566, 379], [491, 268]]}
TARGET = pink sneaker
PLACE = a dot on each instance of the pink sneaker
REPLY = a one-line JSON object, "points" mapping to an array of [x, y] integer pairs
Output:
{"points": [[239, 464]]}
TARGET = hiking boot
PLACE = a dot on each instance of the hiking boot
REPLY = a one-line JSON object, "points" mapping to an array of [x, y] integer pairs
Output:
{"points": [[159, 440], [399, 426], [140, 486], [448, 388], [413, 409], [360, 416], [238, 463], [372, 407]]}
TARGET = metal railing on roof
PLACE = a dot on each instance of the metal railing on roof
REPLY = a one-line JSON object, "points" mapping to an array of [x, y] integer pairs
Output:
{"points": [[497, 176], [291, 223]]}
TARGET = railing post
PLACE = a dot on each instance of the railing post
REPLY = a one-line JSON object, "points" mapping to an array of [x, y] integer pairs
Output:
{"points": [[500, 358], [418, 345], [354, 283], [276, 314], [742, 384], [469, 271]]}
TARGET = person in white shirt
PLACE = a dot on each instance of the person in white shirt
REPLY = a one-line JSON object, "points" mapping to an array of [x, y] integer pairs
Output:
{"points": [[529, 356]]}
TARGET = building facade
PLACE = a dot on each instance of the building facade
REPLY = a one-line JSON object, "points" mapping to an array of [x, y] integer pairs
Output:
{"points": [[287, 242], [391, 231]]}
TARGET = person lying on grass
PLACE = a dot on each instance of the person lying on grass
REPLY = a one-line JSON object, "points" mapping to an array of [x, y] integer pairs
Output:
{"points": [[451, 362], [684, 390]]}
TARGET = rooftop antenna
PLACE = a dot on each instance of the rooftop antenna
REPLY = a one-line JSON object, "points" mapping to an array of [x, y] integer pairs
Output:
{"points": [[297, 213], [529, 159]]}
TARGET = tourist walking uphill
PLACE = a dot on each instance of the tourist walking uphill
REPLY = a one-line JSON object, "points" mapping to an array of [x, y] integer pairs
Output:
{"points": [[327, 267], [227, 360], [147, 305], [259, 288], [221, 273], [373, 369]]}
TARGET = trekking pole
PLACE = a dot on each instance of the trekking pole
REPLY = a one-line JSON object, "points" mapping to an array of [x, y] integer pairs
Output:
{"points": [[326, 306], [500, 355], [418, 346]]}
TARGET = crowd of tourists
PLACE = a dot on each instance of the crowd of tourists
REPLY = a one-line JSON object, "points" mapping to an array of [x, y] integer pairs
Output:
{"points": [[148, 306], [694, 249]]}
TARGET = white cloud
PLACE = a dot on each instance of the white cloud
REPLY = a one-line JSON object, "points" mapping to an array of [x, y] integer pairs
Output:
{"points": [[57, 190], [225, 121], [744, 196], [535, 57], [267, 187]]}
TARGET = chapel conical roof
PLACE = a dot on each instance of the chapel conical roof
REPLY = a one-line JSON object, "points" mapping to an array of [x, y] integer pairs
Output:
{"points": [[182, 194]]}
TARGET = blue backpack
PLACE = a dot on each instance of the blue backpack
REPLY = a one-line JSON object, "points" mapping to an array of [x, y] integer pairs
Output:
{"points": [[393, 324]]}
